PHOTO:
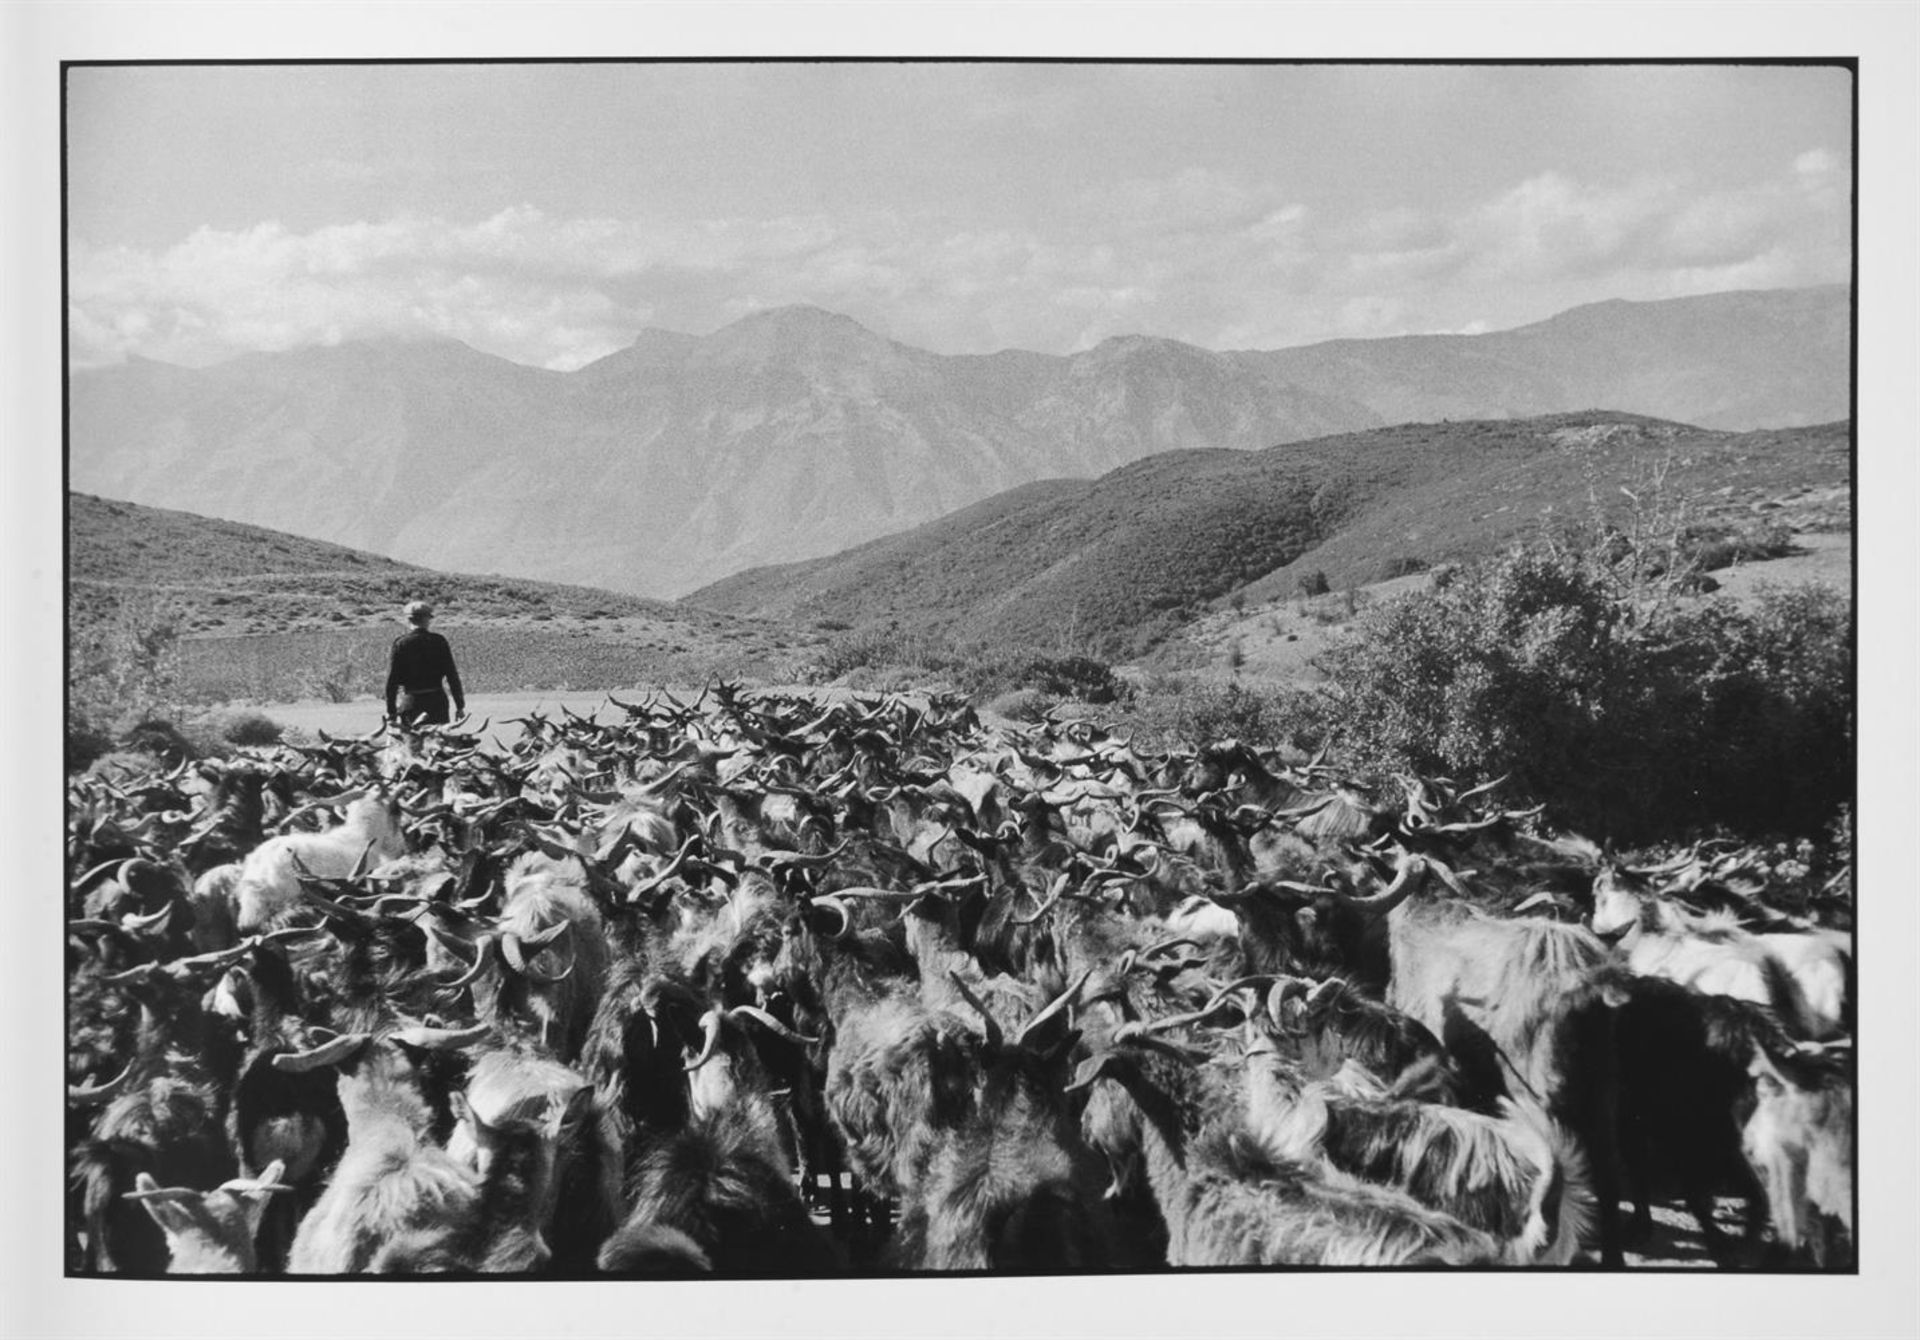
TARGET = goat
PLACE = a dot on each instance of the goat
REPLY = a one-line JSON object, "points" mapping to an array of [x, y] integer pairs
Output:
{"points": [[1322, 1026], [718, 1195], [1011, 1185], [1516, 1175], [1226, 1201], [167, 1127], [1803, 977], [393, 1180], [554, 989], [268, 887], [1654, 1078], [210, 1232], [1800, 1141], [509, 1093]]}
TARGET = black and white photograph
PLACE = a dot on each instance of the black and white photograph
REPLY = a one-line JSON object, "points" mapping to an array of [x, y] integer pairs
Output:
{"points": [[841, 673]]}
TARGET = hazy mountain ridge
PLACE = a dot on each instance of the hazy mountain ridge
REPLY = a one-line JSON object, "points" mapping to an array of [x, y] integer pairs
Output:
{"points": [[1110, 565], [798, 433]]}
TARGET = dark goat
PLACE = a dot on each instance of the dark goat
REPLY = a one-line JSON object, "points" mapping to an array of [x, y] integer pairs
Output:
{"points": [[1011, 1185], [718, 1195], [167, 1129], [1653, 1077], [1321, 1026]]}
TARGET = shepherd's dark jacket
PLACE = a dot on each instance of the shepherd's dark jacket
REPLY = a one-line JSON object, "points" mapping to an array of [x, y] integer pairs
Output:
{"points": [[421, 659]]}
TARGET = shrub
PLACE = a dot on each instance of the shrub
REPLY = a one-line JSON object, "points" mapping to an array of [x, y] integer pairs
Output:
{"points": [[1079, 677], [1314, 583], [85, 742], [1632, 719], [249, 728], [125, 667], [1711, 548], [1024, 705], [1171, 713], [161, 739]]}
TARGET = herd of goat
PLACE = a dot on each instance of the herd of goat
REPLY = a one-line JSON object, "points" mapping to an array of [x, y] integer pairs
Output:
{"points": [[764, 985]]}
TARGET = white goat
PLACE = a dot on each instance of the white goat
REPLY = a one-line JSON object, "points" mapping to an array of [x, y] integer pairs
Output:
{"points": [[269, 884], [210, 1232]]}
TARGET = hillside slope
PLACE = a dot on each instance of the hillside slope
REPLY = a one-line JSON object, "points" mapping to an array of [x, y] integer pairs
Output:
{"points": [[264, 614], [1113, 564], [795, 433]]}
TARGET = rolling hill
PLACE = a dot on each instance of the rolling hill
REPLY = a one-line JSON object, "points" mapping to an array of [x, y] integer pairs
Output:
{"points": [[268, 615], [795, 433], [1112, 564]]}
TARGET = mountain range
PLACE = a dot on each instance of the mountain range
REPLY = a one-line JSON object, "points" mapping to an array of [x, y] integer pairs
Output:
{"points": [[1110, 566], [796, 433]]}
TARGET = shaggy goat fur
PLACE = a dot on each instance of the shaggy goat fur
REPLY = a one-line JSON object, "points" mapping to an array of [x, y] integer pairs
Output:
{"points": [[1516, 1176], [268, 888], [392, 1182]]}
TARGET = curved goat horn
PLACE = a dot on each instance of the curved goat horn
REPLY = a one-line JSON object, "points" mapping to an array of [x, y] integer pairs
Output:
{"points": [[513, 948], [153, 921], [1065, 1000], [992, 1025], [866, 894], [359, 870], [768, 1022], [89, 1095], [672, 868], [483, 953], [833, 904], [1285, 989], [710, 1025], [80, 884], [339, 1049], [441, 1039], [1054, 894], [1412, 871]]}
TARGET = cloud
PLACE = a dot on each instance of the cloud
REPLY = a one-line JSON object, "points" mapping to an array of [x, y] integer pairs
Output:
{"points": [[1197, 255]]}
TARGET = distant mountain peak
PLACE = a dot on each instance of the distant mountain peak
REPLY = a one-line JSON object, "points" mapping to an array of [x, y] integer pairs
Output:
{"points": [[799, 315], [796, 329]]}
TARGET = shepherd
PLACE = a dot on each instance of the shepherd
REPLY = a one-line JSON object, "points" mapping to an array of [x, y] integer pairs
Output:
{"points": [[421, 662]]}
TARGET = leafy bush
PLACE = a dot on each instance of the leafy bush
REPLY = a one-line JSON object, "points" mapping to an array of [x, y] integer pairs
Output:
{"points": [[249, 728], [1023, 705], [1079, 677], [160, 739], [85, 742], [1711, 548], [125, 667], [980, 672], [1171, 713], [1632, 718]]}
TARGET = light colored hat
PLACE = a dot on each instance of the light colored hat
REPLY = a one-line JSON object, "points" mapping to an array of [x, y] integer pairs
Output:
{"points": [[418, 610]]}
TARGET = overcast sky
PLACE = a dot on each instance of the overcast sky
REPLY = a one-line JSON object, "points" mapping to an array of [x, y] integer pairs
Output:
{"points": [[548, 213]]}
